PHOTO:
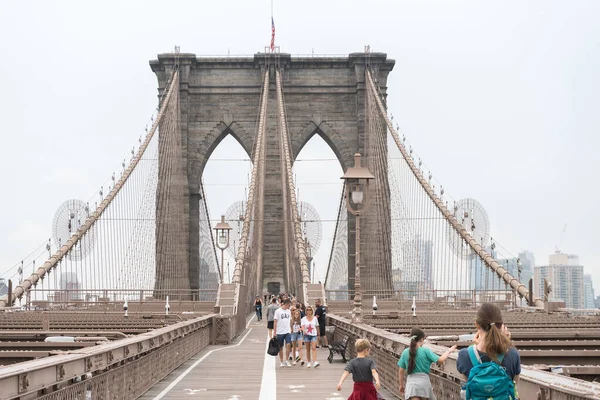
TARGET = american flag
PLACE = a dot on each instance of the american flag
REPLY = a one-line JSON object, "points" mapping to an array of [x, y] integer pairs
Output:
{"points": [[272, 34]]}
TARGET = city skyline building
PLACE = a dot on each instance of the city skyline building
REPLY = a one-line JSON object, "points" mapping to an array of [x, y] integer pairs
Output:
{"points": [[589, 299], [566, 277], [481, 277], [527, 266], [416, 272], [3, 287], [69, 287]]}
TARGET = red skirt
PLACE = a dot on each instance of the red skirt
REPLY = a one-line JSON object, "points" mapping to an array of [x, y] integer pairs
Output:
{"points": [[363, 391]]}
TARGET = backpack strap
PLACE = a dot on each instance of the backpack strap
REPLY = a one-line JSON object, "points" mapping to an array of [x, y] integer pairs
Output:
{"points": [[474, 355], [476, 358]]}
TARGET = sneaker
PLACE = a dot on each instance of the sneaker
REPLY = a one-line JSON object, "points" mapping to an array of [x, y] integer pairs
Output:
{"points": [[308, 366], [316, 364], [288, 364], [290, 358], [297, 358], [294, 363], [301, 362], [282, 365]]}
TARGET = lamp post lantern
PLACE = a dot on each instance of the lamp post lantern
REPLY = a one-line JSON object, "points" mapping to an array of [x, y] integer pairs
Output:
{"points": [[222, 230], [357, 181]]}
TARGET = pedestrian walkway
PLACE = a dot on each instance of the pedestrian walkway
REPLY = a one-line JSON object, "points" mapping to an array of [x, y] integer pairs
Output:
{"points": [[244, 371]]}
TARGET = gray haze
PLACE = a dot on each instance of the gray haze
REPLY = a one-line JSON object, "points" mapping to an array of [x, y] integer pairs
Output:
{"points": [[499, 99]]}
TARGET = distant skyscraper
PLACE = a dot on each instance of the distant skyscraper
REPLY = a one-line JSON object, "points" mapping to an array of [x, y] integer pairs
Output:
{"points": [[3, 287], [527, 265], [559, 258], [566, 277], [416, 272], [588, 292], [480, 276], [69, 286]]}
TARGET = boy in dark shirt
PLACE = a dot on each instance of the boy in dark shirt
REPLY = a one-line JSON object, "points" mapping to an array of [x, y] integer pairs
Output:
{"points": [[363, 371]]}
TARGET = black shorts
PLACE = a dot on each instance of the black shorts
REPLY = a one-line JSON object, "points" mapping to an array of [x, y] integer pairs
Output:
{"points": [[321, 328], [270, 324]]}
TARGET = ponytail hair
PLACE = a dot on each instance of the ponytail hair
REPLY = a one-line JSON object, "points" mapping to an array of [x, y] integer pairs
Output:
{"points": [[415, 336], [489, 319]]}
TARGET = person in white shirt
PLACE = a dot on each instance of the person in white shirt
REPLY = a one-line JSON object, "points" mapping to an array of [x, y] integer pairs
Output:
{"points": [[310, 330], [282, 328]]}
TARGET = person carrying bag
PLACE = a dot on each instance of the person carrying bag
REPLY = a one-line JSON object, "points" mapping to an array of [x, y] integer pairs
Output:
{"points": [[273, 349]]}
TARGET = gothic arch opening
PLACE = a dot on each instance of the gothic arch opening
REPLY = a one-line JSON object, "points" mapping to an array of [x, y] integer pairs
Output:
{"points": [[225, 178], [317, 173]]}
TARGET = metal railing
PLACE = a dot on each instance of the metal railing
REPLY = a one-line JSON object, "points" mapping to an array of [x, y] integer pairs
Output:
{"points": [[122, 369], [114, 299], [387, 348], [429, 298]]}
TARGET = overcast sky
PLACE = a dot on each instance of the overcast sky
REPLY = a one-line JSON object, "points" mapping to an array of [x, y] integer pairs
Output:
{"points": [[500, 100]]}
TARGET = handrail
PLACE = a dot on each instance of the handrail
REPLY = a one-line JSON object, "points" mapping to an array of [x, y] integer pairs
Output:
{"points": [[31, 376], [530, 381]]}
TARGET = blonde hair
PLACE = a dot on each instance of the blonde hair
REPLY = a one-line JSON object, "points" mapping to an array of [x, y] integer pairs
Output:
{"points": [[361, 345], [297, 319]]}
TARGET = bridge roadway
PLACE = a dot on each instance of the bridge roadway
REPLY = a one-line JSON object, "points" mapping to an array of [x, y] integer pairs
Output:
{"points": [[244, 371]]}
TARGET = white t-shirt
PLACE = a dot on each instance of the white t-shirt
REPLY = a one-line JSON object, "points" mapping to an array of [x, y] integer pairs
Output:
{"points": [[283, 318], [311, 328]]}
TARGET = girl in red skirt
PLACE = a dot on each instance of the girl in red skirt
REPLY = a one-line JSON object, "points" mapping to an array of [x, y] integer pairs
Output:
{"points": [[363, 372]]}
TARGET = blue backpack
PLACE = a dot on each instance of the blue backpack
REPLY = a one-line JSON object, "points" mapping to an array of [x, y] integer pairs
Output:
{"points": [[488, 380]]}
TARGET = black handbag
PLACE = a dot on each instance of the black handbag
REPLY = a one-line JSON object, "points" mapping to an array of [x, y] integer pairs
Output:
{"points": [[273, 349]]}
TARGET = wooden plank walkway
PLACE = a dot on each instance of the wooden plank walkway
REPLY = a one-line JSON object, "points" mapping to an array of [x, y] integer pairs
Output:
{"points": [[244, 371]]}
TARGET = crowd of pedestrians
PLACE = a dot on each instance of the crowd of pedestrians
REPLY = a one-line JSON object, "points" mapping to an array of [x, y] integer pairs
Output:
{"points": [[491, 366], [297, 328]]}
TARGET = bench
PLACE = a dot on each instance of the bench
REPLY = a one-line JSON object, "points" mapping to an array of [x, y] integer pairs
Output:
{"points": [[339, 348]]}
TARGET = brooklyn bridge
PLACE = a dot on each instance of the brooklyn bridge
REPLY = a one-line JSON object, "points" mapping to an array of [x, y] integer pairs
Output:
{"points": [[135, 301]]}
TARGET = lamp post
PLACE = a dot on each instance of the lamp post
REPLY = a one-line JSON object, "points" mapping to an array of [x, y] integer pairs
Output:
{"points": [[357, 180], [222, 230], [519, 270], [309, 257]]}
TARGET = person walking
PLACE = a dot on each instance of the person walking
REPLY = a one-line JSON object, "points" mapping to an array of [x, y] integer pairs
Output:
{"points": [[296, 326], [492, 344], [271, 315], [310, 331], [416, 362], [258, 307], [363, 372], [282, 327], [321, 314]]}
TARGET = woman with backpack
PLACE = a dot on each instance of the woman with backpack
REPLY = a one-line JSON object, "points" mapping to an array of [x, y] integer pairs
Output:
{"points": [[416, 362], [492, 364]]}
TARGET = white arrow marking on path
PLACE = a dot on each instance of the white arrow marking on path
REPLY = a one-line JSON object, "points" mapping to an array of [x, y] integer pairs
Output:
{"points": [[194, 391]]}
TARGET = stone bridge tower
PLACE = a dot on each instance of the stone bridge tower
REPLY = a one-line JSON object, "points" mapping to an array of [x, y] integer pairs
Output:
{"points": [[220, 97]]}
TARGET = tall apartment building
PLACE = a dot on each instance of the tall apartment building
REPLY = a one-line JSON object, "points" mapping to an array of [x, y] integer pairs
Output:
{"points": [[566, 276], [3, 287], [416, 271], [589, 300], [480, 277], [527, 265]]}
